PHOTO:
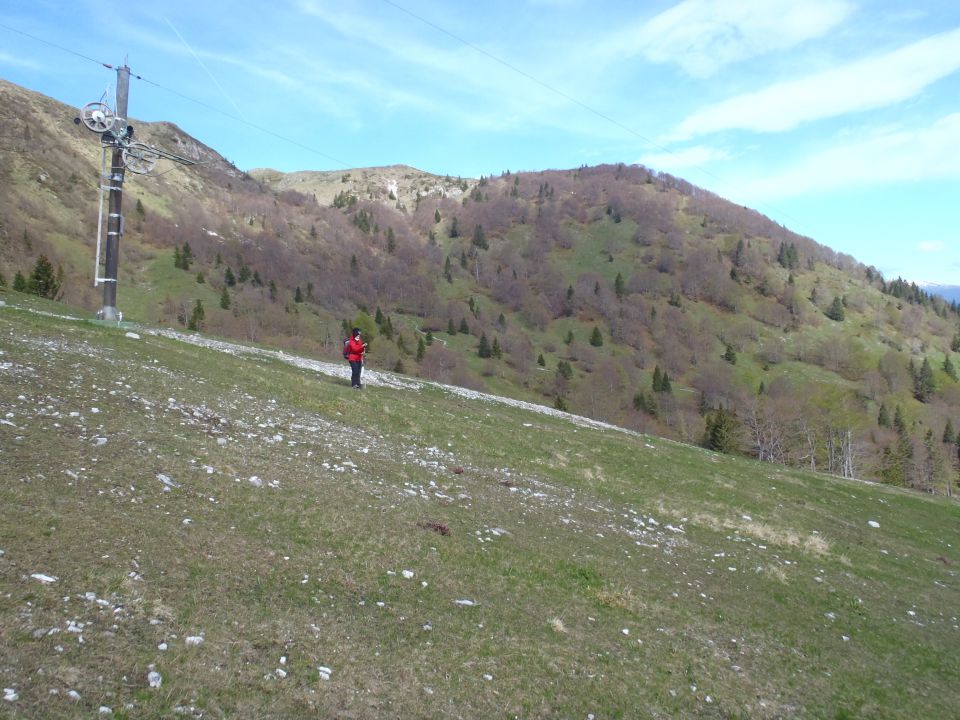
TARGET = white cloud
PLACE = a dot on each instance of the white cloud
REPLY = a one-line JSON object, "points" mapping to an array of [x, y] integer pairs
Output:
{"points": [[888, 156], [14, 61], [931, 246], [690, 157], [863, 85], [703, 36]]}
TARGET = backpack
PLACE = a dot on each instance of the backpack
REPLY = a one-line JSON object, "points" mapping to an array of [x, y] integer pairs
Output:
{"points": [[346, 350]]}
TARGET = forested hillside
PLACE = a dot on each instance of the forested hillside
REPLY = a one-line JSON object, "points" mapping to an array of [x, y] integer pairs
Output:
{"points": [[615, 292]]}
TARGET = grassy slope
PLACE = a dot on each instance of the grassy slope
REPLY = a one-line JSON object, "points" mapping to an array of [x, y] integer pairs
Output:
{"points": [[740, 610]]}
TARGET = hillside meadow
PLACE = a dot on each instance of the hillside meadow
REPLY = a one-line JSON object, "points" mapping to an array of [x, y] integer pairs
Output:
{"points": [[208, 531]]}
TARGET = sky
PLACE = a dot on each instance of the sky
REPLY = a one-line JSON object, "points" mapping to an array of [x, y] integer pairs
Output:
{"points": [[839, 119]]}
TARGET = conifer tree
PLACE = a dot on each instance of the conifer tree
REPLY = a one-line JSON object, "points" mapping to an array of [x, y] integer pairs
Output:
{"points": [[196, 317], [596, 338], [836, 311], [200, 278], [496, 352], [177, 260], [464, 329], [298, 295], [436, 215], [540, 361], [730, 355], [483, 350], [225, 299], [924, 385], [949, 434], [421, 349], [883, 416], [454, 228], [480, 238], [229, 278], [451, 328], [19, 282], [657, 378], [619, 288], [429, 338], [569, 338], [43, 281], [948, 367], [721, 432]]}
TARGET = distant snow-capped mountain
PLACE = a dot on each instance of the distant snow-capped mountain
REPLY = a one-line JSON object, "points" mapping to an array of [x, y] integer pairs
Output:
{"points": [[947, 292]]}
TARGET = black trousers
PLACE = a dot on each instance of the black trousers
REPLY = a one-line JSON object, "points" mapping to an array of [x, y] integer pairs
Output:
{"points": [[355, 367]]}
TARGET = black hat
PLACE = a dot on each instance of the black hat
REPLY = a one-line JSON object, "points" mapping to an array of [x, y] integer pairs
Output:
{"points": [[356, 331]]}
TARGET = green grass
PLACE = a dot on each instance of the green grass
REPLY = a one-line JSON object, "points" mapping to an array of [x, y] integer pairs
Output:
{"points": [[550, 534]]}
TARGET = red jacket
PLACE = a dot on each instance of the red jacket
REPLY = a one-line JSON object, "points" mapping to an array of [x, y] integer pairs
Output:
{"points": [[355, 349]]}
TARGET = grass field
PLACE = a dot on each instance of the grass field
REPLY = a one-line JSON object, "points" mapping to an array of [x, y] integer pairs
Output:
{"points": [[196, 532]]}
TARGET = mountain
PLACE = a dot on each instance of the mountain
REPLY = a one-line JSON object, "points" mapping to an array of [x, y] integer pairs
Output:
{"points": [[615, 292], [950, 293], [194, 527]]}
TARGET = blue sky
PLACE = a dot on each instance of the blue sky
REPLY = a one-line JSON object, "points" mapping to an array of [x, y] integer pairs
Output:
{"points": [[839, 119]]}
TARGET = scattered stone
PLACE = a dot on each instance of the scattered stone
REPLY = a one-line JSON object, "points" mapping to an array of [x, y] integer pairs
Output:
{"points": [[45, 579], [325, 672], [873, 523]]}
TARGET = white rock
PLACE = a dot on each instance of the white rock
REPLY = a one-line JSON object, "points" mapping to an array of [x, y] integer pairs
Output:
{"points": [[194, 640], [73, 694], [325, 672], [10, 695], [408, 574], [155, 679], [132, 336], [162, 647], [873, 523], [104, 710], [464, 603], [45, 579]]}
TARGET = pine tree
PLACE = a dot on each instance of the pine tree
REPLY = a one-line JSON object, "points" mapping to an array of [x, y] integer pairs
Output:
{"points": [[496, 352], [19, 282], [43, 281], [421, 349], [436, 215], [899, 423], [200, 278], [722, 429], [196, 317], [955, 343], [665, 386], [454, 228], [569, 338], [480, 238], [657, 379], [483, 350], [186, 256], [564, 370], [272, 289], [298, 295], [924, 385], [883, 416], [391, 240], [540, 361], [619, 288], [836, 311], [949, 434], [229, 278], [596, 338], [730, 355], [225, 299], [464, 329], [429, 338], [244, 274], [3, 281], [354, 266], [451, 328], [378, 317], [948, 368], [177, 259]]}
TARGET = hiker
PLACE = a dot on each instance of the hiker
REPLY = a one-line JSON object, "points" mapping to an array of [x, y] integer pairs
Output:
{"points": [[355, 349]]}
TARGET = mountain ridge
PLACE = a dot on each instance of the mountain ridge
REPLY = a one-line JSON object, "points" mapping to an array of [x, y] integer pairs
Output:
{"points": [[580, 288]]}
